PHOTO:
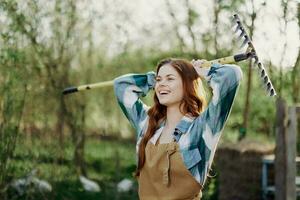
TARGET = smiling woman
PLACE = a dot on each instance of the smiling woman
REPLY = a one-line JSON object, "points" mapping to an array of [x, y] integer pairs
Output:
{"points": [[176, 137]]}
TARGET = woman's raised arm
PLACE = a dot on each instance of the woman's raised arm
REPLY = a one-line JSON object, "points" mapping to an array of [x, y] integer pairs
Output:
{"points": [[128, 90], [224, 81]]}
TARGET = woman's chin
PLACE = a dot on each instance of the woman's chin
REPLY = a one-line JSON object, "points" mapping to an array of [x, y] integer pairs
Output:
{"points": [[164, 103], [170, 101]]}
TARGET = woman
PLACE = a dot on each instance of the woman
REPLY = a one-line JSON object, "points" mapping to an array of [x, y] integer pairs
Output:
{"points": [[177, 136]]}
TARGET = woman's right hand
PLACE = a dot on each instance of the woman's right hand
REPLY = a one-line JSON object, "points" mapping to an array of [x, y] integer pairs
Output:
{"points": [[197, 64]]}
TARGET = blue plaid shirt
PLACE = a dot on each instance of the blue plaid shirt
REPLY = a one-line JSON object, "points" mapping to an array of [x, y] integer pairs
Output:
{"points": [[197, 137]]}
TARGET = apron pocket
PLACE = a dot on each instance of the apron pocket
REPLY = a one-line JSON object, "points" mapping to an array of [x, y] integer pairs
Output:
{"points": [[191, 157]]}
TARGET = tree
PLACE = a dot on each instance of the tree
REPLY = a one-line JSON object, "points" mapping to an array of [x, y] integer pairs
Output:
{"points": [[247, 107], [52, 59], [296, 69], [13, 93]]}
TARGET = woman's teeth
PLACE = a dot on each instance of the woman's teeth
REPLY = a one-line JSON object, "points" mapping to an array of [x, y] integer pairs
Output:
{"points": [[163, 92]]}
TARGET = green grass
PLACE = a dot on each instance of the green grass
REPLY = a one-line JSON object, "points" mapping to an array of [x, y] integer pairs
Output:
{"points": [[55, 165]]}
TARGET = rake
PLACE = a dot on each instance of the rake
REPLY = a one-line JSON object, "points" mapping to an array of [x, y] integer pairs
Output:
{"points": [[250, 53]]}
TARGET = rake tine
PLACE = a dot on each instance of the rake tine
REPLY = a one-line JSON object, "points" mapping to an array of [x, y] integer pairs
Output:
{"points": [[270, 89], [233, 21], [236, 17], [262, 73], [267, 85], [261, 69], [259, 65], [272, 92], [266, 80], [238, 27], [250, 46], [241, 34], [237, 20], [246, 41]]}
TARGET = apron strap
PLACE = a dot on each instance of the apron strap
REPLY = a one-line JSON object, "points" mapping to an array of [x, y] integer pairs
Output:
{"points": [[171, 148]]}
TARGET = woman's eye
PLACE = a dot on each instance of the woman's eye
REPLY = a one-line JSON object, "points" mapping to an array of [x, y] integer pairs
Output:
{"points": [[168, 79]]}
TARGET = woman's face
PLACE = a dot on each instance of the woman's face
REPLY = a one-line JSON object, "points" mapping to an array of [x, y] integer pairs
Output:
{"points": [[169, 86]]}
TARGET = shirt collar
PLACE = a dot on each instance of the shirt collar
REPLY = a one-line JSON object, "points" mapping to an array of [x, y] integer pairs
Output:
{"points": [[182, 125]]}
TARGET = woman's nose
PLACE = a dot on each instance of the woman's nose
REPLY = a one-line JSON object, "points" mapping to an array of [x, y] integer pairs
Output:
{"points": [[162, 82]]}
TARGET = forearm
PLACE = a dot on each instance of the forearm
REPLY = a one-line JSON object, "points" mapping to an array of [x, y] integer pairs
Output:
{"points": [[128, 90], [140, 84]]}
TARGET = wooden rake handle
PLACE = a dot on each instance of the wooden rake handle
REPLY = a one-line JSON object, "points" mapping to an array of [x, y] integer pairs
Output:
{"points": [[225, 60]]}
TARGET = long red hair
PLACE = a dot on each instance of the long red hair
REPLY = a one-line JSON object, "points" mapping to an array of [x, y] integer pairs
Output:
{"points": [[192, 102]]}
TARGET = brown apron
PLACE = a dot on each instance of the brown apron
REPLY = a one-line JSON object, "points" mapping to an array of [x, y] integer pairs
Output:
{"points": [[164, 175]]}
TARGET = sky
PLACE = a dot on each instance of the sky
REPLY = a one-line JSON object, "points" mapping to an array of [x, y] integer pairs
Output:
{"points": [[151, 17], [144, 23]]}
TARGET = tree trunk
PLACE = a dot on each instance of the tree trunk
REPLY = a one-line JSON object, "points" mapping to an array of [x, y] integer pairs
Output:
{"points": [[243, 130], [216, 22], [76, 123], [176, 26], [189, 25], [296, 69]]}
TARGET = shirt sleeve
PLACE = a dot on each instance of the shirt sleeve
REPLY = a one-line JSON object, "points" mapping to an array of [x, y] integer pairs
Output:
{"points": [[128, 90], [224, 81]]}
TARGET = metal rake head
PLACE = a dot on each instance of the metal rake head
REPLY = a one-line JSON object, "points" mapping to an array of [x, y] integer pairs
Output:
{"points": [[253, 55]]}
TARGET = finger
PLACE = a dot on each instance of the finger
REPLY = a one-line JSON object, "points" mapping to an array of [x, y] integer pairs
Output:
{"points": [[198, 62]]}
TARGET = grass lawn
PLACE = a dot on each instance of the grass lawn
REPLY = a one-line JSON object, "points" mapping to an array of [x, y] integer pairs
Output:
{"points": [[107, 162]]}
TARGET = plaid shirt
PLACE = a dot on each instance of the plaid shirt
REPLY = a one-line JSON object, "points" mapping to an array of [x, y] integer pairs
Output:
{"points": [[197, 137]]}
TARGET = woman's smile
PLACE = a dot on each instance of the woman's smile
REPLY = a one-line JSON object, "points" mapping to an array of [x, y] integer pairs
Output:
{"points": [[164, 92]]}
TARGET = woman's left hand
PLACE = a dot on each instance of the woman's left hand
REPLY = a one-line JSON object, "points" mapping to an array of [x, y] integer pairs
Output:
{"points": [[201, 71]]}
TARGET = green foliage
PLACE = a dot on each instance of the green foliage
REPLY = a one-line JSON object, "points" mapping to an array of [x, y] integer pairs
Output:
{"points": [[59, 170], [33, 153], [39, 66], [12, 91]]}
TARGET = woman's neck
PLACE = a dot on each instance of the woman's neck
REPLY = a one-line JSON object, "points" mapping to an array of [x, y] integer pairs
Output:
{"points": [[173, 116]]}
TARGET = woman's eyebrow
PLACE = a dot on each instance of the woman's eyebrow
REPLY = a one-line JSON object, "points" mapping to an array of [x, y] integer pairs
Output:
{"points": [[166, 75], [170, 75]]}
